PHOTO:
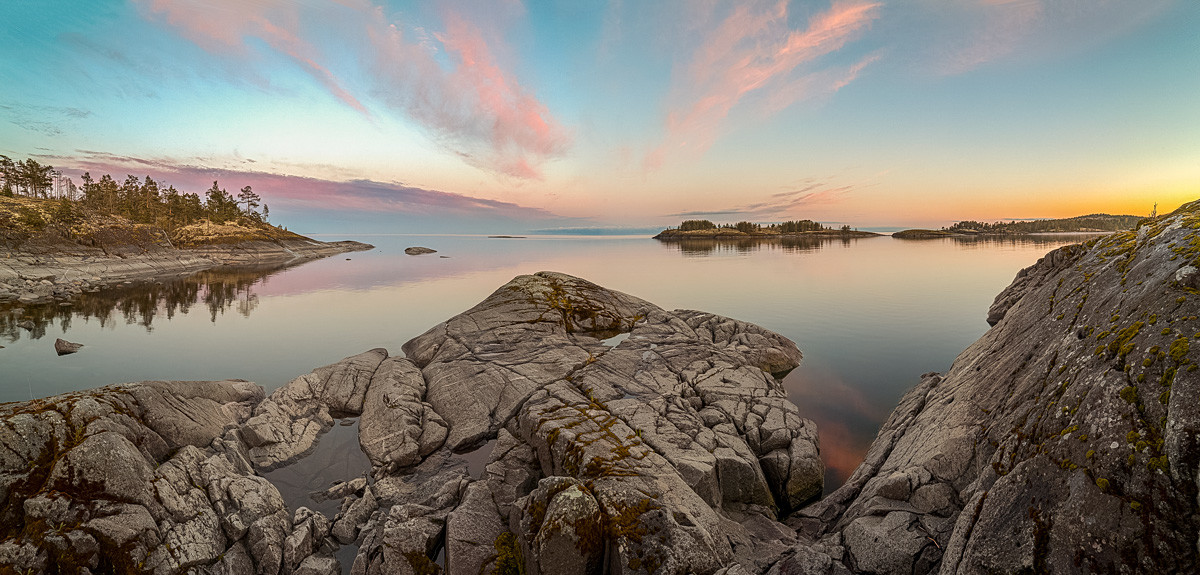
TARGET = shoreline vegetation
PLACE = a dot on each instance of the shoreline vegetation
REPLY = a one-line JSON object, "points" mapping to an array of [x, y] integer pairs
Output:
{"points": [[705, 229], [1091, 223], [58, 240]]}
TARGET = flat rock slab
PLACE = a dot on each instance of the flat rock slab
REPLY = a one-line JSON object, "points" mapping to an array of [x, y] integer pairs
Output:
{"points": [[418, 250]]}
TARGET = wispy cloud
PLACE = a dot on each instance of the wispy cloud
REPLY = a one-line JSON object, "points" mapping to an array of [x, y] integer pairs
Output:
{"points": [[302, 193], [447, 81], [810, 193], [48, 120], [754, 51], [958, 36]]}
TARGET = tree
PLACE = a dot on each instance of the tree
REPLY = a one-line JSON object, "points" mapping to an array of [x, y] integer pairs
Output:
{"points": [[8, 171], [266, 212], [36, 177], [689, 225], [249, 200], [221, 206], [107, 193], [127, 201]]}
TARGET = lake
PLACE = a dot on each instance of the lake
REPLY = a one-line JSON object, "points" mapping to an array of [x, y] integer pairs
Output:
{"points": [[870, 315]]}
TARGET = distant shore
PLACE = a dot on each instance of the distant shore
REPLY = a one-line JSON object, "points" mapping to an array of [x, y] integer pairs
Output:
{"points": [[921, 234]]}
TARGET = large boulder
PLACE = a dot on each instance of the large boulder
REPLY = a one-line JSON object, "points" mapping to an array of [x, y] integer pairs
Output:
{"points": [[661, 454]]}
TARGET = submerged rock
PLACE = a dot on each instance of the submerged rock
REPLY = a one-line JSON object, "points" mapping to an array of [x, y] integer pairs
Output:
{"points": [[63, 347]]}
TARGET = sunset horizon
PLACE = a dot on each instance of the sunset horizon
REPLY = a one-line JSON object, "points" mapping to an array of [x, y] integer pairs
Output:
{"points": [[502, 116]]}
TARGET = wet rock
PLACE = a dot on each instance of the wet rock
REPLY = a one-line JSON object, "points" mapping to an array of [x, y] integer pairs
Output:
{"points": [[419, 250], [64, 347]]}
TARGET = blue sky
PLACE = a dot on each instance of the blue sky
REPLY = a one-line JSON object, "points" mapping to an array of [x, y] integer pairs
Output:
{"points": [[412, 116]]}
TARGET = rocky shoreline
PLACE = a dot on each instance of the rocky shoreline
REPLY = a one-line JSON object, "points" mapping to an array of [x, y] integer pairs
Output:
{"points": [[1064, 440], [35, 274]]}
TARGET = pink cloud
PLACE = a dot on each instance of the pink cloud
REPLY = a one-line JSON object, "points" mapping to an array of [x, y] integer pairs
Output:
{"points": [[299, 193], [474, 106], [754, 51]]}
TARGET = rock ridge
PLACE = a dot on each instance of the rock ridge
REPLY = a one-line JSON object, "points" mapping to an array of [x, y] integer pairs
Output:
{"points": [[674, 450]]}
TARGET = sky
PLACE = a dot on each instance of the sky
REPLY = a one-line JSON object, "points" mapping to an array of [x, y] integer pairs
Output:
{"points": [[502, 115]]}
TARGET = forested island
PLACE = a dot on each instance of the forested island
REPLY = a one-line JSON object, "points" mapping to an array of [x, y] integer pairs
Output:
{"points": [[58, 239], [705, 229], [1097, 223]]}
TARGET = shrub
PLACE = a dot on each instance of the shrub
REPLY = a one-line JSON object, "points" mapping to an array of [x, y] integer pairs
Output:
{"points": [[31, 217]]}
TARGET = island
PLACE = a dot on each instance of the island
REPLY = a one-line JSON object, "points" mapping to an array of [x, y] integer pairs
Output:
{"points": [[1092, 223], [705, 229], [56, 244], [1062, 441]]}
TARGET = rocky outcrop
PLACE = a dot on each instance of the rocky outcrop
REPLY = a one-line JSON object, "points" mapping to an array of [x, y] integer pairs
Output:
{"points": [[148, 477], [31, 274], [514, 437], [419, 250], [1063, 441], [674, 451]]}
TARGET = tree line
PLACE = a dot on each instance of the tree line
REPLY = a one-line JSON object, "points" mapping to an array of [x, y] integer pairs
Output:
{"points": [[1094, 222], [29, 178], [142, 200], [788, 227]]}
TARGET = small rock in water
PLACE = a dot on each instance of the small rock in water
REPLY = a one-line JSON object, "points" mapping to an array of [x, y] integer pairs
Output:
{"points": [[26, 324], [418, 250], [64, 347]]}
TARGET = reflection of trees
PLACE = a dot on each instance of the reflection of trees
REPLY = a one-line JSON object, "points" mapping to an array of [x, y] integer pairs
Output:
{"points": [[216, 290], [788, 244], [1016, 240]]}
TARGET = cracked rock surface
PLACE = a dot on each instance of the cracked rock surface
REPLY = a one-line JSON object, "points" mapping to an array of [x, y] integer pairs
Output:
{"points": [[1062, 441], [673, 451]]}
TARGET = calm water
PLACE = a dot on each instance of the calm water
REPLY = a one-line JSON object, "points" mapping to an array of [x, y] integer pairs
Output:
{"points": [[870, 315]]}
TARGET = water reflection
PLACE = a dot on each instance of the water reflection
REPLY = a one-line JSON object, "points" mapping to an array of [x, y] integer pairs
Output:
{"points": [[1028, 240], [214, 291], [707, 246]]}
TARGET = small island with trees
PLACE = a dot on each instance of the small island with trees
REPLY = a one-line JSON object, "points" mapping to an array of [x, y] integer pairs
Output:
{"points": [[1092, 223], [705, 229]]}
